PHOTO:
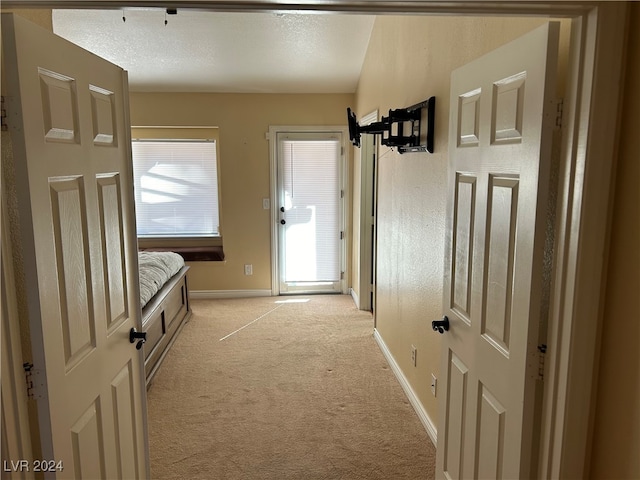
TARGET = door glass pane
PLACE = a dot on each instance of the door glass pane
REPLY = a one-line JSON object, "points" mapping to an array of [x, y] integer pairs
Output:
{"points": [[310, 182]]}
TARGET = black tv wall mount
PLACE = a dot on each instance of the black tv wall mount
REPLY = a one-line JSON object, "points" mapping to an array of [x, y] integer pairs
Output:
{"points": [[416, 120]]}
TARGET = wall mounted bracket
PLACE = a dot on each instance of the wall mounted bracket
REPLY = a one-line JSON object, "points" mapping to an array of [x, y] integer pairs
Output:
{"points": [[417, 121]]}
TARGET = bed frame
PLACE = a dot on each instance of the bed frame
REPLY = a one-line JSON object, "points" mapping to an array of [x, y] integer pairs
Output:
{"points": [[162, 318]]}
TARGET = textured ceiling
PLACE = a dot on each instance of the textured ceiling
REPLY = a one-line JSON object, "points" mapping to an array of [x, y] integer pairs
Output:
{"points": [[224, 52]]}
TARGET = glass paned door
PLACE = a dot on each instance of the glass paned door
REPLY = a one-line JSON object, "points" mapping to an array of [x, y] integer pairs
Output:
{"points": [[310, 212]]}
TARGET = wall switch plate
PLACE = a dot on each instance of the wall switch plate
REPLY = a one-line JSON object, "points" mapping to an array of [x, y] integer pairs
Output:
{"points": [[414, 355], [248, 269], [434, 382], [266, 203]]}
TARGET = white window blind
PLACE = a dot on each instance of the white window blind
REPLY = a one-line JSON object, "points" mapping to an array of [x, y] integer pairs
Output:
{"points": [[176, 188]]}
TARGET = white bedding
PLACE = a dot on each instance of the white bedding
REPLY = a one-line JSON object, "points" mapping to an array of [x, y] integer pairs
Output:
{"points": [[156, 268]]}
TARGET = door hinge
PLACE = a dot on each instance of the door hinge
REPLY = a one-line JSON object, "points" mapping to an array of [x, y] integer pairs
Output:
{"points": [[341, 193], [341, 151], [542, 350], [32, 379], [559, 112], [3, 114], [341, 235], [341, 275]]}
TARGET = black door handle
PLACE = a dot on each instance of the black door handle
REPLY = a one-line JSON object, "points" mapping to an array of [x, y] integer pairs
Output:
{"points": [[282, 209], [440, 325], [133, 335], [283, 221]]}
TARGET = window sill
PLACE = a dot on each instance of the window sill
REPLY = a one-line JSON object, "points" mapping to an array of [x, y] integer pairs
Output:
{"points": [[177, 241], [192, 254]]}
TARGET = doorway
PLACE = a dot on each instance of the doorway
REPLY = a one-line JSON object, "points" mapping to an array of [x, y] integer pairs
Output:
{"points": [[309, 210], [368, 205], [592, 111]]}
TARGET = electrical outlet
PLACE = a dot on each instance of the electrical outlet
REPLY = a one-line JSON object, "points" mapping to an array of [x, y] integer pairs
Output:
{"points": [[266, 203], [248, 269], [434, 382], [414, 355]]}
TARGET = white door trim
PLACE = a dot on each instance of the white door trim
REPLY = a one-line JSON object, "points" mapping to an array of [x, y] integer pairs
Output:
{"points": [[584, 205], [366, 199], [15, 415], [274, 199], [590, 140]]}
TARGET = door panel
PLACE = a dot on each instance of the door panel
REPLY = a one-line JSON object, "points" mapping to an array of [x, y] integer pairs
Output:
{"points": [[68, 122], [499, 261], [489, 446], [122, 388], [69, 216], [463, 230], [112, 228], [501, 126], [88, 452], [455, 416]]}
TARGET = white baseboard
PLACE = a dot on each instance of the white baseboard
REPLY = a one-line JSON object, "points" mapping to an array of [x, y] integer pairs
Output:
{"points": [[355, 297], [212, 294], [428, 424]]}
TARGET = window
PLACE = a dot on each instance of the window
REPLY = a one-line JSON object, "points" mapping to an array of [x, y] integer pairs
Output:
{"points": [[176, 185]]}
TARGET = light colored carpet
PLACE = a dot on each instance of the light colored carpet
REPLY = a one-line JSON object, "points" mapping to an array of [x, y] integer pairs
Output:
{"points": [[299, 391]]}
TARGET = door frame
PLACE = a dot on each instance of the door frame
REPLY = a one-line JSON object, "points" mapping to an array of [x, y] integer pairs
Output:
{"points": [[15, 414], [274, 198], [590, 139], [368, 199]]}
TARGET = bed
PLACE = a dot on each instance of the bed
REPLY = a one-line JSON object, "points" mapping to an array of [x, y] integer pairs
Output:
{"points": [[164, 298]]}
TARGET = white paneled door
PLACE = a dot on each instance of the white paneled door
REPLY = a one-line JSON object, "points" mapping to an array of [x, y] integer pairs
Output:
{"points": [[68, 119], [310, 212], [502, 119]]}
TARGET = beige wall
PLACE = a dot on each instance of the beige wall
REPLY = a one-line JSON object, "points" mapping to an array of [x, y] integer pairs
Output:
{"points": [[40, 17], [616, 442], [243, 120], [408, 60]]}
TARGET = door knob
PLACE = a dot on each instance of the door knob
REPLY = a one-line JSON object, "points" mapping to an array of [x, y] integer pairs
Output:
{"points": [[441, 325], [283, 221], [133, 335], [282, 209]]}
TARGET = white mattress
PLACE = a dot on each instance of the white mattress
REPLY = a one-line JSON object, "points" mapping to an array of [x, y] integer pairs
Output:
{"points": [[156, 268]]}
